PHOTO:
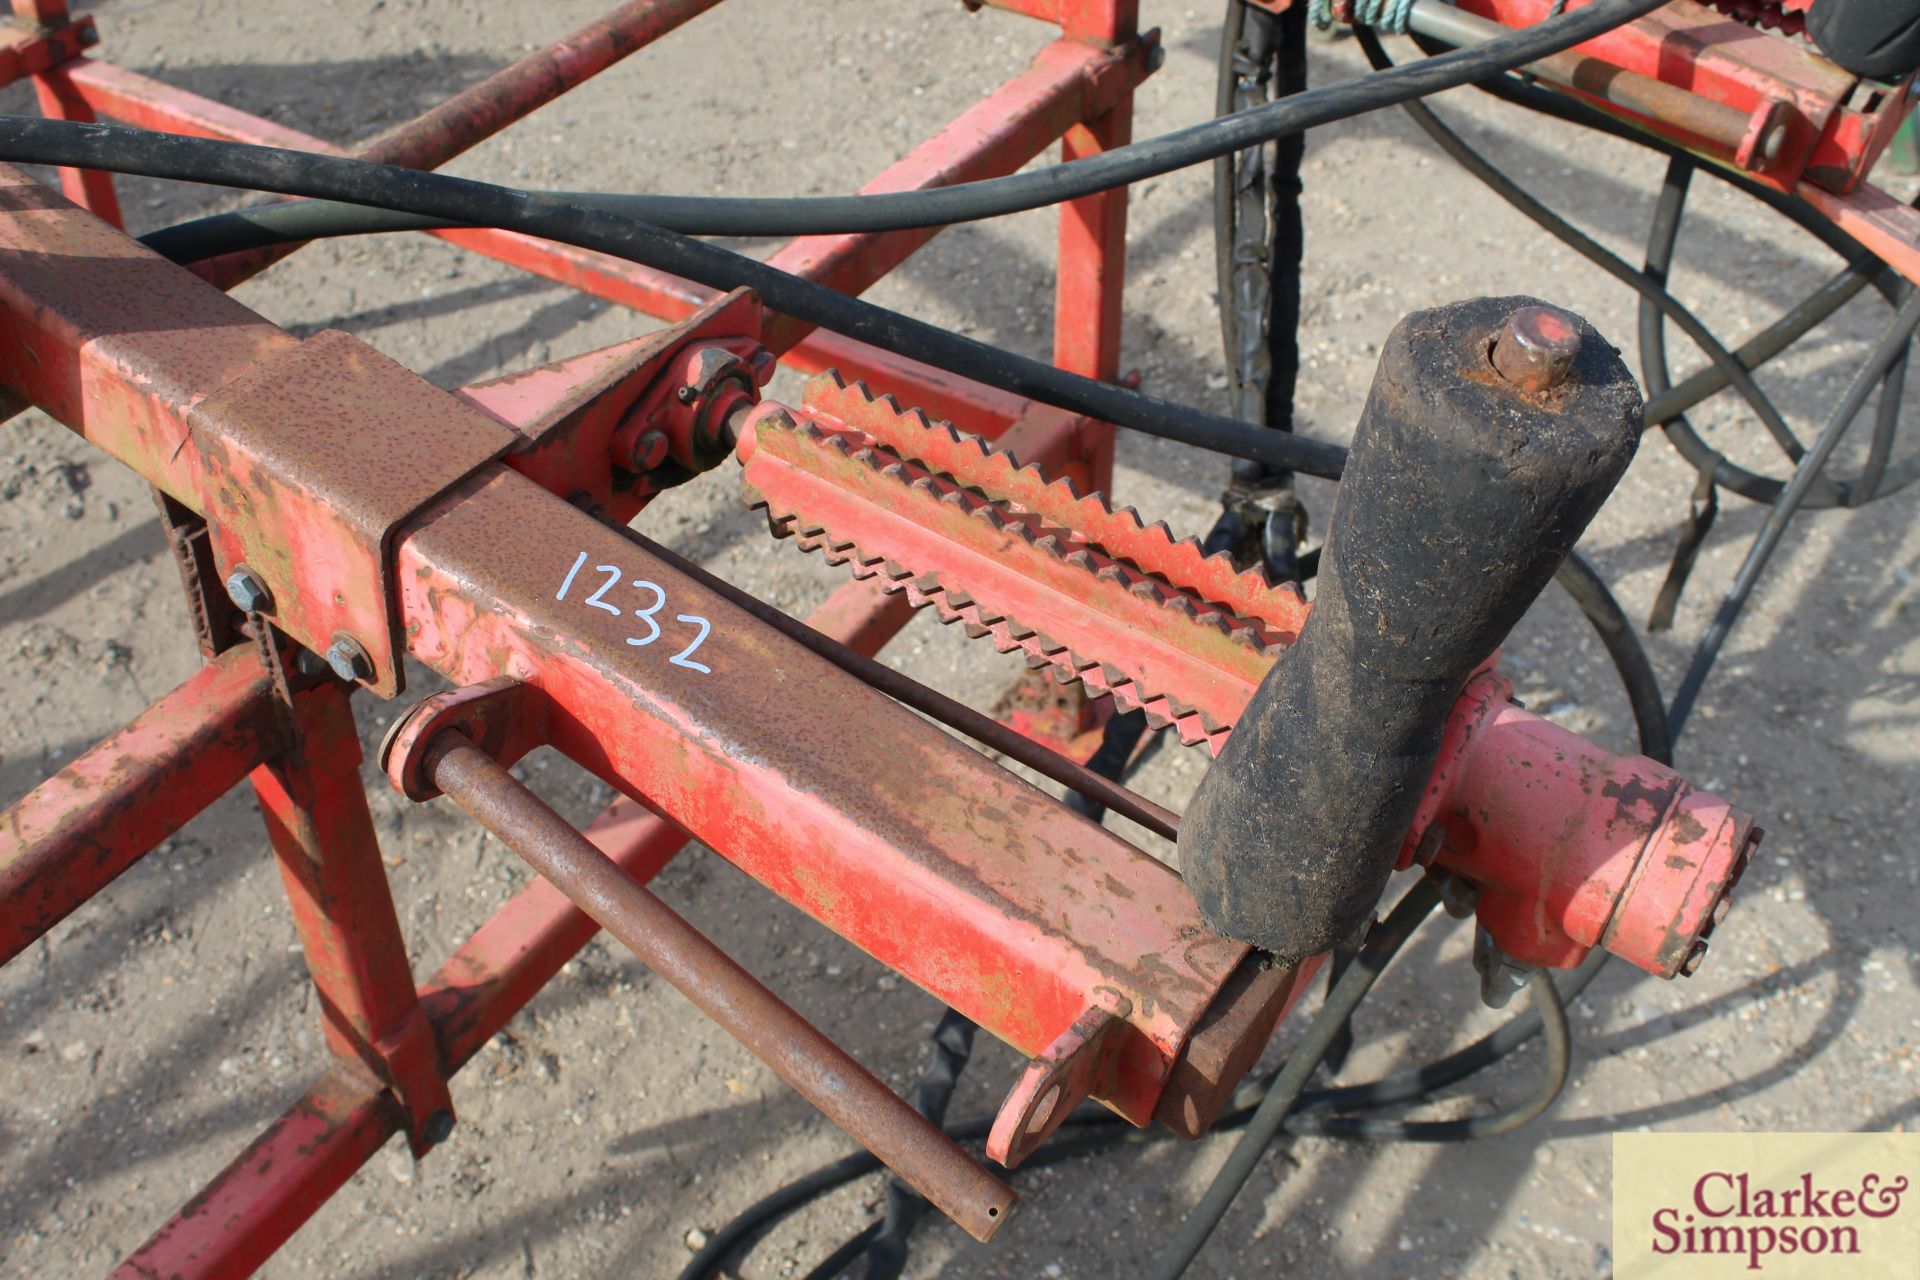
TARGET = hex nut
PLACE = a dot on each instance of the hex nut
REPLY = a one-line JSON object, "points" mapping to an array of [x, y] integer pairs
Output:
{"points": [[248, 593]]}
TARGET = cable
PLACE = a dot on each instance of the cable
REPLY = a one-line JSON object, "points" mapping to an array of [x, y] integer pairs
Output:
{"points": [[1583, 583], [1383, 943], [1661, 242], [1658, 264], [1873, 475], [1664, 402], [1419, 1082], [1091, 1128], [1588, 248], [1055, 184], [1864, 270], [840, 1259], [1889, 349], [158, 155], [1548, 1002], [1550, 1011]]}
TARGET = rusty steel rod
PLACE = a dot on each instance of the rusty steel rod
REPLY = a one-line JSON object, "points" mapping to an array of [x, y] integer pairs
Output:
{"points": [[820, 1070], [1655, 99], [482, 110], [958, 716]]}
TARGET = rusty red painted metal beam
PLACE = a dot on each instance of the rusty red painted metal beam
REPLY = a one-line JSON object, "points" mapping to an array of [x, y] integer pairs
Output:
{"points": [[321, 830], [1069, 81], [54, 40], [72, 835], [477, 113], [1806, 118], [425, 142], [134, 396], [282, 1178], [236, 1222], [734, 733]]}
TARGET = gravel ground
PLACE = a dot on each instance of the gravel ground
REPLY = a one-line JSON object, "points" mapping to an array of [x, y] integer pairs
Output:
{"points": [[147, 1039]]}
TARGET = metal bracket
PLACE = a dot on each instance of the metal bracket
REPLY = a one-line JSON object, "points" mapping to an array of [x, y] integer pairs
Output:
{"points": [[503, 717], [619, 424], [313, 459], [1076, 1066]]}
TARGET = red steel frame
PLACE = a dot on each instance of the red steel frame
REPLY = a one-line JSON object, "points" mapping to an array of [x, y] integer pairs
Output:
{"points": [[394, 1047], [364, 513]]}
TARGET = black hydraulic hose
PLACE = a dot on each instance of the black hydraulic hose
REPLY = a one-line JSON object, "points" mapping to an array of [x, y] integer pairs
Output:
{"points": [[1863, 271], [1550, 1011], [1136, 162], [1092, 1128], [835, 1265], [1111, 759], [1580, 580], [1665, 238], [1420, 1082], [1088, 1128], [1873, 475], [885, 1249], [159, 155], [1891, 346], [1383, 943], [1661, 240]]}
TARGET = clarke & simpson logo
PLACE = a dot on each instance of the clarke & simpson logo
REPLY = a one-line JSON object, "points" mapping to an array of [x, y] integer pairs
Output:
{"points": [[1780, 1205]]}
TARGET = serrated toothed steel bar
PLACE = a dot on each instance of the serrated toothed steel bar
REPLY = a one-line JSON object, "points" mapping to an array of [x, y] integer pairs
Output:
{"points": [[1090, 593]]}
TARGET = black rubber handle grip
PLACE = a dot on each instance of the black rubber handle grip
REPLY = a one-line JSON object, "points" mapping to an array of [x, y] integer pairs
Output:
{"points": [[1463, 493]]}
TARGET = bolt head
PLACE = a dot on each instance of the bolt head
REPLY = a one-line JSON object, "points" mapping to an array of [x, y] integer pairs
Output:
{"points": [[439, 1127], [650, 450], [248, 593], [1536, 350], [1695, 957], [348, 660]]}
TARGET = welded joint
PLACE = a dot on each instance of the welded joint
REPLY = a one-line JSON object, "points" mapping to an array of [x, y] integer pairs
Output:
{"points": [[32, 51], [409, 1060]]}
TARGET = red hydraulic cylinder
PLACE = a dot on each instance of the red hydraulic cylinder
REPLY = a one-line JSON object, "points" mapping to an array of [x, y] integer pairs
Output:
{"points": [[75, 832], [1574, 848]]}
